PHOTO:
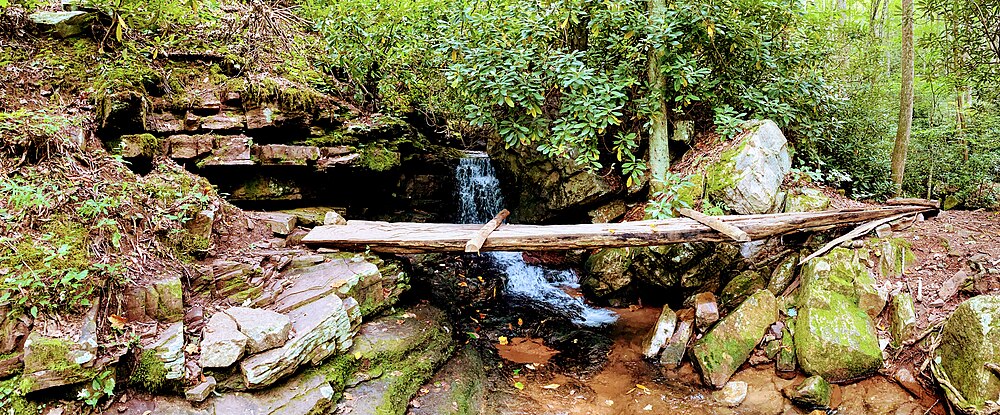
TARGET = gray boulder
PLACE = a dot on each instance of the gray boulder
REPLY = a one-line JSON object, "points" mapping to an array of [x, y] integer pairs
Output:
{"points": [[222, 343], [748, 176], [265, 329]]}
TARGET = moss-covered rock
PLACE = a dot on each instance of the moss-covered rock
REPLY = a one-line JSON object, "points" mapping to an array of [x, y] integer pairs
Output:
{"points": [[783, 275], [160, 364], [806, 200], [835, 338], [728, 345], [456, 389], [814, 392], [607, 271], [51, 362], [740, 287], [391, 358], [903, 318], [970, 340], [748, 175]]}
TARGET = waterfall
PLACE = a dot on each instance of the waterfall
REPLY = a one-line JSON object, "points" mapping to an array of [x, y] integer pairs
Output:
{"points": [[479, 200]]}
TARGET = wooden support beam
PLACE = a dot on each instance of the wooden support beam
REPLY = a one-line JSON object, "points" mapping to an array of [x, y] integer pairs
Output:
{"points": [[724, 228], [476, 243], [409, 238]]}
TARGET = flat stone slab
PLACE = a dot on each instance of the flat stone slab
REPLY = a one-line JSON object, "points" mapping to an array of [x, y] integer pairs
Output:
{"points": [[265, 329]]}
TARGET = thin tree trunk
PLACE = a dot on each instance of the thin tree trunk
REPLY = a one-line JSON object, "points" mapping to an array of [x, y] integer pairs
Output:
{"points": [[885, 36], [905, 99], [659, 125]]}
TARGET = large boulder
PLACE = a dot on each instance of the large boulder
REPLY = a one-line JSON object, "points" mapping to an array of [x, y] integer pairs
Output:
{"points": [[747, 177], [728, 345], [970, 341], [835, 336], [547, 188]]}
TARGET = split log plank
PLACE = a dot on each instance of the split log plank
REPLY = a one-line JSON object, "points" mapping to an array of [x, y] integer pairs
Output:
{"points": [[726, 229], [476, 243], [404, 237], [857, 232]]}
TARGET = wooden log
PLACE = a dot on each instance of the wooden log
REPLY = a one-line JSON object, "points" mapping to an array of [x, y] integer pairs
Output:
{"points": [[411, 238], [856, 232], [912, 201], [476, 243], [726, 229]]}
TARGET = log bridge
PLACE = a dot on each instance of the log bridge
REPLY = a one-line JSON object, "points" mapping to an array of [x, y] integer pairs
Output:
{"points": [[411, 238]]}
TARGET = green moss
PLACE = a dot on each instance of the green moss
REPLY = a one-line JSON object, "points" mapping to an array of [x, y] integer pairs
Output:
{"points": [[836, 338], [140, 145], [12, 399], [52, 355], [721, 175], [150, 373], [334, 138], [378, 158]]}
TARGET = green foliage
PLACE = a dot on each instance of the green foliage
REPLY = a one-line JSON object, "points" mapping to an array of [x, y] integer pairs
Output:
{"points": [[665, 202], [103, 385]]}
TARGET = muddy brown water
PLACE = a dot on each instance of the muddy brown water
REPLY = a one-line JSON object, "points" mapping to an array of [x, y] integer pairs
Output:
{"points": [[628, 384]]}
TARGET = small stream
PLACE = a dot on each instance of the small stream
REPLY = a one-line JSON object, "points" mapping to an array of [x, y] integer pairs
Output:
{"points": [[480, 199]]}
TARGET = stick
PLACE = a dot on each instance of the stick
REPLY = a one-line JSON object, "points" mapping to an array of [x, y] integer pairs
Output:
{"points": [[859, 231], [724, 228], [477, 241]]}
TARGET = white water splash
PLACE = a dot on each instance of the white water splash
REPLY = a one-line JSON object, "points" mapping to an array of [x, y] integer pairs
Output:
{"points": [[479, 200]]}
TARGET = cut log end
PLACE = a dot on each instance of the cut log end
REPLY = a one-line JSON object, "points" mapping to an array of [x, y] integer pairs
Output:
{"points": [[477, 241]]}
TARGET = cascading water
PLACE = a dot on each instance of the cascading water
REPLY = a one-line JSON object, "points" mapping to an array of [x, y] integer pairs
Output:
{"points": [[479, 199]]}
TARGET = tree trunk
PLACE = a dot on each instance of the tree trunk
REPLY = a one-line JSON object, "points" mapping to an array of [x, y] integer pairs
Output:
{"points": [[905, 99], [659, 132]]}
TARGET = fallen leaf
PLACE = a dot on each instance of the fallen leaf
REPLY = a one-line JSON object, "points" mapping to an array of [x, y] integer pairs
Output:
{"points": [[463, 284], [519, 385], [357, 355], [117, 322], [503, 340], [647, 408], [642, 388], [520, 322], [609, 402], [191, 348], [551, 386]]}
